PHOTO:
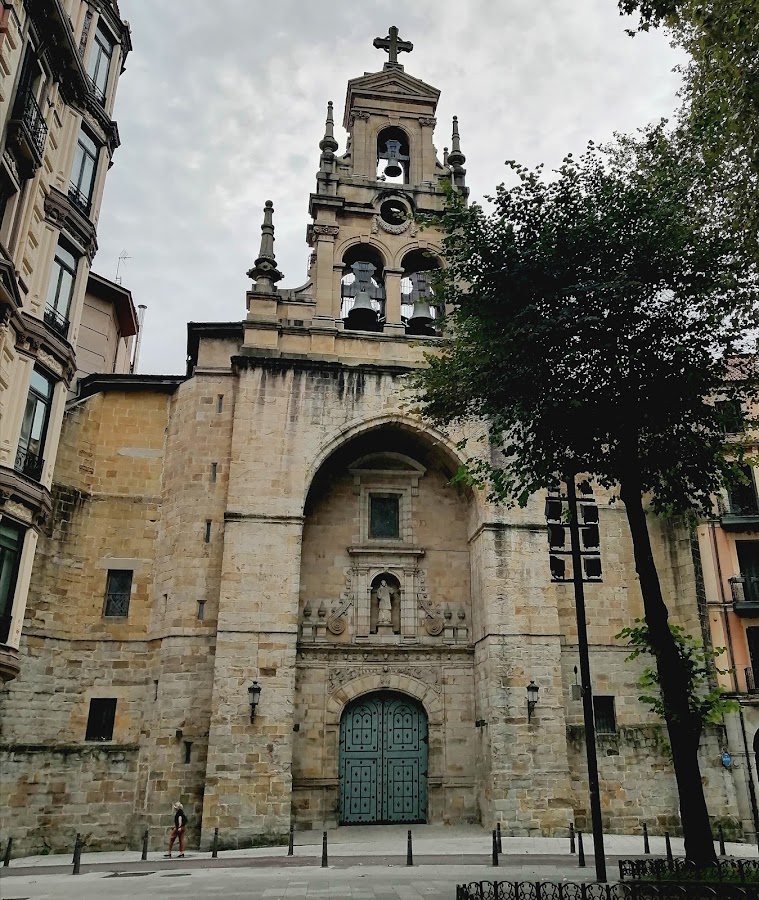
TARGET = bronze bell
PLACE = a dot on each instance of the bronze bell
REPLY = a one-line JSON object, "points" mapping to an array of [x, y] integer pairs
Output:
{"points": [[421, 319], [393, 168], [362, 315]]}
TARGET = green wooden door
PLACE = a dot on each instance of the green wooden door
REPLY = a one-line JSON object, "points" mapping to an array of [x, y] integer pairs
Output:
{"points": [[383, 761]]}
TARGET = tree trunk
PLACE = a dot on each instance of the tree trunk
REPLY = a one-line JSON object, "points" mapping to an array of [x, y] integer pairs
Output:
{"points": [[684, 728]]}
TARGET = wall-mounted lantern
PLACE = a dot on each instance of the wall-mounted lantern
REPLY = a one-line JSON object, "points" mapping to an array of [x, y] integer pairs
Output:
{"points": [[254, 693], [532, 698]]}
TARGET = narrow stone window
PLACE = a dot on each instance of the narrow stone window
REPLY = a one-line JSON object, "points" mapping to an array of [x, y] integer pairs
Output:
{"points": [[118, 590], [207, 537], [220, 403], [604, 715], [155, 684], [201, 610], [214, 470], [384, 516], [187, 751], [100, 719]]}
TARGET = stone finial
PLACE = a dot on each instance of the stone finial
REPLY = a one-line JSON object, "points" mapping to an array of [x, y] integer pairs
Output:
{"points": [[265, 272], [456, 157], [328, 142]]}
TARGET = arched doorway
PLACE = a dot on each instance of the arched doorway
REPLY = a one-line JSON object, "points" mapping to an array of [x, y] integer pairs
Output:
{"points": [[383, 760]]}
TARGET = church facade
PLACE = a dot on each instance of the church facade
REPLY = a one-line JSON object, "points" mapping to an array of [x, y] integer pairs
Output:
{"points": [[260, 593]]}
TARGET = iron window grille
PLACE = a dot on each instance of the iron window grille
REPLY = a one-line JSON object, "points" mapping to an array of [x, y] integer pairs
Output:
{"points": [[58, 322], [29, 463], [117, 593]]}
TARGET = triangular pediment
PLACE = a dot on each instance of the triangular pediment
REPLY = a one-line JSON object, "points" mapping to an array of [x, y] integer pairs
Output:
{"points": [[390, 84]]}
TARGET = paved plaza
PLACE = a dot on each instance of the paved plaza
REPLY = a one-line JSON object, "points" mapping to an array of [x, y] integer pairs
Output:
{"points": [[366, 863]]}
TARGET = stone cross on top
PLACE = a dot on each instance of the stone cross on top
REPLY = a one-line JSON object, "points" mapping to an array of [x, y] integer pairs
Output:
{"points": [[393, 45]]}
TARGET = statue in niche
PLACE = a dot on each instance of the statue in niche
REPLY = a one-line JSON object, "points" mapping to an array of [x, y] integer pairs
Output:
{"points": [[384, 604]]}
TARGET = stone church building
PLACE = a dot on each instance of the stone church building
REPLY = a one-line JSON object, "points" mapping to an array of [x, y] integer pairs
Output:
{"points": [[260, 593]]}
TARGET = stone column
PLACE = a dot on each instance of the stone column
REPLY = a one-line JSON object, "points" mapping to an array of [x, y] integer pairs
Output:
{"points": [[393, 323], [249, 770], [516, 635], [325, 251]]}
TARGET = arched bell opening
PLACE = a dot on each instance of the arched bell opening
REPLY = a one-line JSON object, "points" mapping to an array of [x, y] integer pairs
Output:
{"points": [[421, 311], [393, 156], [362, 289]]}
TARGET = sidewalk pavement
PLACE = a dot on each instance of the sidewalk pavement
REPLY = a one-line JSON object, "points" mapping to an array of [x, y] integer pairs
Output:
{"points": [[389, 841]]}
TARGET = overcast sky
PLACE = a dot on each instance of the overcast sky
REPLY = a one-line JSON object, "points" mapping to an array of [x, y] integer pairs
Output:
{"points": [[222, 107]]}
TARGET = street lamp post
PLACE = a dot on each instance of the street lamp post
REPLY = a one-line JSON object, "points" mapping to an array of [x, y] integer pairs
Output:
{"points": [[586, 566]]}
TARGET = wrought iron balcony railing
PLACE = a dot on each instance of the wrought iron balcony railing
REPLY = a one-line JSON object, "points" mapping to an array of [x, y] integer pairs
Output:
{"points": [[58, 322], [748, 675], [745, 591], [79, 199], [28, 463], [27, 116], [97, 93]]}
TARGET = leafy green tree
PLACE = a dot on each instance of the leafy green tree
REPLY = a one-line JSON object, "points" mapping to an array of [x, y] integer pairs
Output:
{"points": [[594, 315], [707, 700], [719, 118]]}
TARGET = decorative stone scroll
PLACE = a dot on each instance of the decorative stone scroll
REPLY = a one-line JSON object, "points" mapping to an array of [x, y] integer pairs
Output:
{"points": [[433, 618], [409, 225], [337, 619]]}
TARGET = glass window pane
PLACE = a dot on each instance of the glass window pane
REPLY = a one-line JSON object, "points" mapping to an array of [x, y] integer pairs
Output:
{"points": [[40, 384], [384, 518]]}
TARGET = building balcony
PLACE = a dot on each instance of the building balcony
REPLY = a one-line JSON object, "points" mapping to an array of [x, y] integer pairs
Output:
{"points": [[745, 591], [27, 129], [59, 323], [29, 464], [741, 511], [82, 203], [750, 681]]}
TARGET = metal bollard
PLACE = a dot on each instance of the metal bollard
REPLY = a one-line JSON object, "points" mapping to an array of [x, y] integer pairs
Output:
{"points": [[646, 845], [722, 842], [495, 848], [77, 854], [580, 851], [291, 840], [215, 844], [669, 848], [571, 837], [324, 850], [500, 843], [145, 845], [409, 850], [7, 857]]}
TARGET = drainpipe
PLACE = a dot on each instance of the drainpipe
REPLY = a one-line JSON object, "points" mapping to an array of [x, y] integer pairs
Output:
{"points": [[140, 321]]}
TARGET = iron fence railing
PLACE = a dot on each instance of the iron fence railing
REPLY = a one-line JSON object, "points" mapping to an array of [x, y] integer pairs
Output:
{"points": [[29, 463], [629, 890], [730, 869], [28, 112], [57, 321]]}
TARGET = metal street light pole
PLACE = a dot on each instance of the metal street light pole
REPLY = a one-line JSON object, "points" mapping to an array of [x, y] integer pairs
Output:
{"points": [[587, 693]]}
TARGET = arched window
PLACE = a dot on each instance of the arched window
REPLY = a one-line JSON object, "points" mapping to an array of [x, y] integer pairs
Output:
{"points": [[362, 289], [393, 157], [421, 311]]}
